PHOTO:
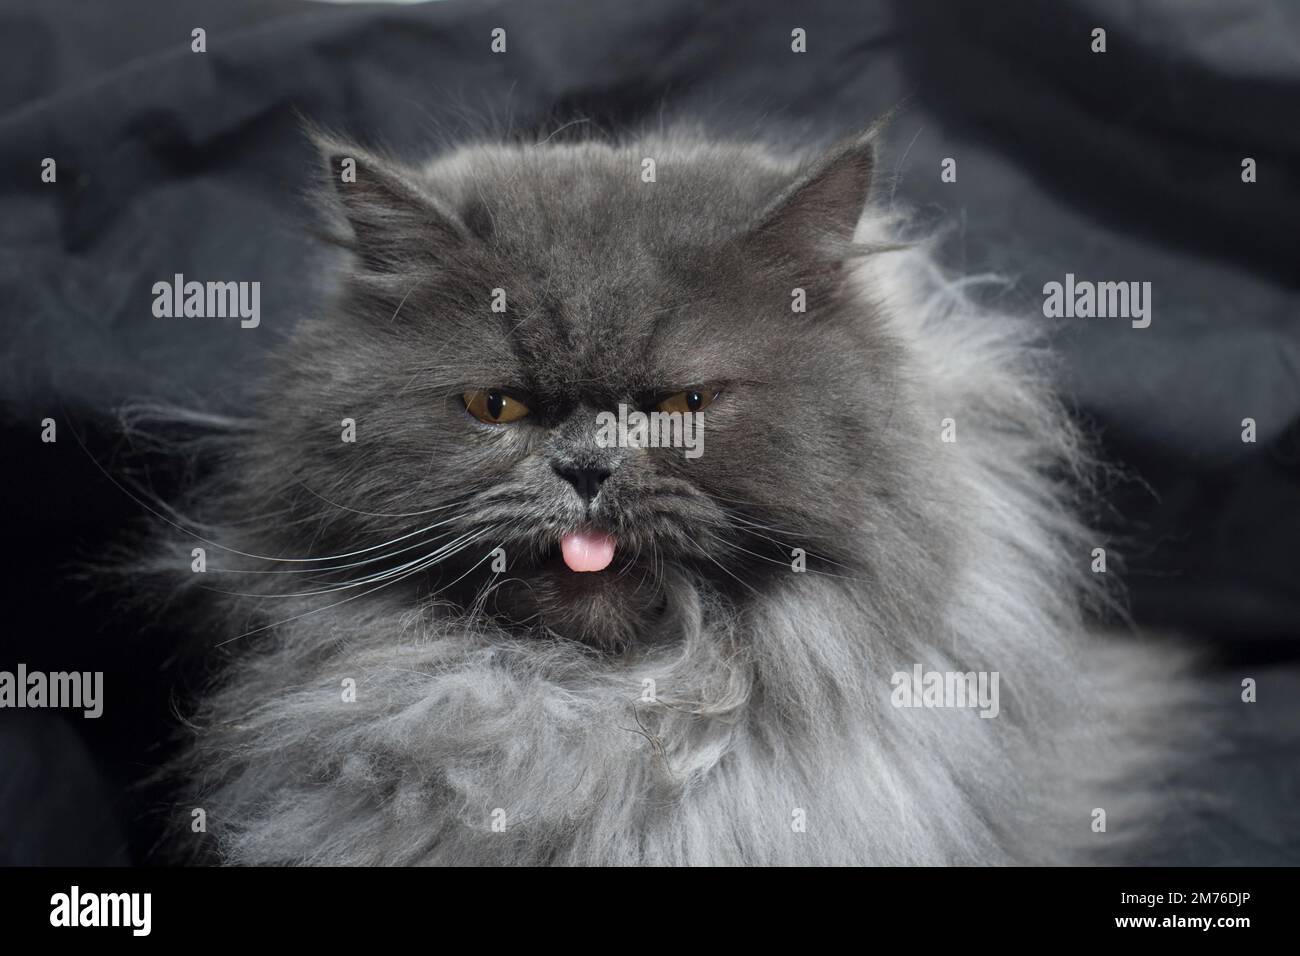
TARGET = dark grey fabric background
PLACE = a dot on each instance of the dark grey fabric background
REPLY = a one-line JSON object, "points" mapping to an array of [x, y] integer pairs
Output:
{"points": [[1120, 166]]}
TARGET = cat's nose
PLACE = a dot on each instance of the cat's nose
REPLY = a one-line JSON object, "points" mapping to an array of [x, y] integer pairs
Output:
{"points": [[587, 480]]}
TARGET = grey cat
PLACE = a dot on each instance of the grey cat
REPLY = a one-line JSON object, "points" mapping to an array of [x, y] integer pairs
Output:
{"points": [[475, 635]]}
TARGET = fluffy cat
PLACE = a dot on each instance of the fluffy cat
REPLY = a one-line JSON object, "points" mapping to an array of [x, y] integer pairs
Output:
{"points": [[393, 698]]}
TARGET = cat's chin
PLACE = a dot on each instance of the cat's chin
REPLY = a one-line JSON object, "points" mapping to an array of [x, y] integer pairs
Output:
{"points": [[609, 609]]}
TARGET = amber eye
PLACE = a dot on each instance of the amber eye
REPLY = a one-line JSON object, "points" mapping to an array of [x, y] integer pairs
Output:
{"points": [[691, 400], [494, 407]]}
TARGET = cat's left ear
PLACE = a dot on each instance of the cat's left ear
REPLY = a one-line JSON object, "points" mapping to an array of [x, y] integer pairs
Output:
{"points": [[813, 220]]}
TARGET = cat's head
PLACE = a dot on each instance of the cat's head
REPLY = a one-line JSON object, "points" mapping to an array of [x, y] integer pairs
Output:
{"points": [[501, 298]]}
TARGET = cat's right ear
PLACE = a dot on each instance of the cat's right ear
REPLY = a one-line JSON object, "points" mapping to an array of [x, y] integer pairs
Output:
{"points": [[392, 219]]}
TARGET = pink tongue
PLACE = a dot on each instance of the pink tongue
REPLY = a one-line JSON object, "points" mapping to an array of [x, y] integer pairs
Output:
{"points": [[587, 551]]}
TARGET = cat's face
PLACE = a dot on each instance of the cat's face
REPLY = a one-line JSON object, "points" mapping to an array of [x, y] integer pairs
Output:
{"points": [[505, 298]]}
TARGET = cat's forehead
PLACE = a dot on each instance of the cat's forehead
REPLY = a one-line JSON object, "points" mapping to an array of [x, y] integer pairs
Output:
{"points": [[602, 264], [598, 196], [603, 339]]}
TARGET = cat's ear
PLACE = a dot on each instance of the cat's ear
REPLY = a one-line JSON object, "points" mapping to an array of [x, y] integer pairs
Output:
{"points": [[813, 220], [392, 216]]}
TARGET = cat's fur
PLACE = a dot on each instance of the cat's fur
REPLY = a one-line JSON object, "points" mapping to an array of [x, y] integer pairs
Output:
{"points": [[504, 718]]}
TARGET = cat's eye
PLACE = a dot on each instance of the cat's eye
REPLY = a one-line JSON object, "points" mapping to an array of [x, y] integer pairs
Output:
{"points": [[494, 407], [691, 400]]}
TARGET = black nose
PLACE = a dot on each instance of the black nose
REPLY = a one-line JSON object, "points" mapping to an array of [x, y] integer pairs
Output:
{"points": [[587, 480]]}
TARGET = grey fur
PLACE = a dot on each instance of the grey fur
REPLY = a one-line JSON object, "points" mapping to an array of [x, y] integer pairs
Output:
{"points": [[522, 692]]}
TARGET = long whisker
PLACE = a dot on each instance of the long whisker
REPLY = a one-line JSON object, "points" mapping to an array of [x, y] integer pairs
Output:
{"points": [[439, 554], [197, 537], [785, 545], [327, 607], [727, 570], [756, 528], [785, 564], [342, 567]]}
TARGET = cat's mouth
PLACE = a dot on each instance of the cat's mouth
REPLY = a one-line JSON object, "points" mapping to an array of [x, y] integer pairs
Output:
{"points": [[587, 550], [577, 590]]}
